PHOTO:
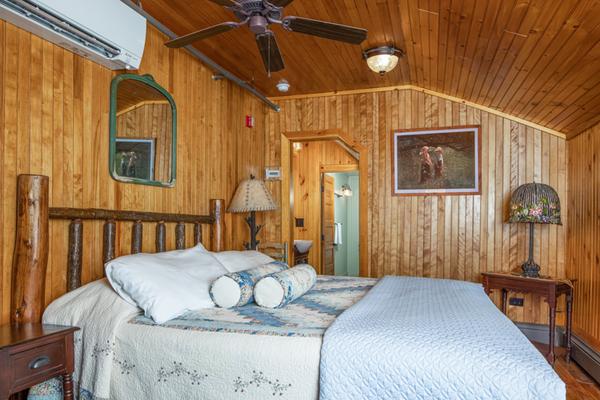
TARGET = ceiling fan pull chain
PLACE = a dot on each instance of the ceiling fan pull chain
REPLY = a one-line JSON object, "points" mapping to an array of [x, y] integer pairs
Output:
{"points": [[269, 58]]}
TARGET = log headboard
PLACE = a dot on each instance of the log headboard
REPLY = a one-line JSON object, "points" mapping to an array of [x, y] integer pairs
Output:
{"points": [[30, 255]]}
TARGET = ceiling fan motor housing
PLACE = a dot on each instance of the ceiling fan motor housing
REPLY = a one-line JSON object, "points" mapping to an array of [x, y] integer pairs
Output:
{"points": [[258, 24]]}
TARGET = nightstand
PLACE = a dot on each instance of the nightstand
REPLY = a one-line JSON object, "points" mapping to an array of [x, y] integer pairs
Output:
{"points": [[549, 289], [32, 354]]}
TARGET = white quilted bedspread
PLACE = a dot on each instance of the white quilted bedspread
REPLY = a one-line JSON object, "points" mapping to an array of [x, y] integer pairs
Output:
{"points": [[419, 338]]}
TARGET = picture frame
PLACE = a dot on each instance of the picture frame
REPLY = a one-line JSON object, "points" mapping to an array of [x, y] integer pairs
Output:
{"points": [[436, 161], [134, 158]]}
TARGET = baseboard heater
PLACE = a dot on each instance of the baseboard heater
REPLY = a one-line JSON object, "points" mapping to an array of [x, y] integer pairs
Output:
{"points": [[584, 355]]}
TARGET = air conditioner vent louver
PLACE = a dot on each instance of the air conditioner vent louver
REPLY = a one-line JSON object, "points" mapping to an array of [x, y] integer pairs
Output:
{"points": [[105, 31], [55, 22]]}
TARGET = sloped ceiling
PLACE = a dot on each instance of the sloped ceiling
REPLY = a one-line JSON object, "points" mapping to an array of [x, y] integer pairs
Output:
{"points": [[535, 59]]}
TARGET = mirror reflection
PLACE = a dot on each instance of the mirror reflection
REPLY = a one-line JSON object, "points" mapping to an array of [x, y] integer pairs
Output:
{"points": [[142, 144]]}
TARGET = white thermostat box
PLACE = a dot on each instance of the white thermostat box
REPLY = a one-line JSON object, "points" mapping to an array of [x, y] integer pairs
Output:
{"points": [[272, 173]]}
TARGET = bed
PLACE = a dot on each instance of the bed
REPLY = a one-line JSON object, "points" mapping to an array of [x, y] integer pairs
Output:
{"points": [[347, 338]]}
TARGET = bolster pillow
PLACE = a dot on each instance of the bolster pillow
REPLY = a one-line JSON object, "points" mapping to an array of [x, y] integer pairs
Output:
{"points": [[281, 288], [236, 289]]}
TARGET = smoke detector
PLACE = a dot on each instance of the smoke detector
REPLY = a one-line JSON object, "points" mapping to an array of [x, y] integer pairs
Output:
{"points": [[283, 86]]}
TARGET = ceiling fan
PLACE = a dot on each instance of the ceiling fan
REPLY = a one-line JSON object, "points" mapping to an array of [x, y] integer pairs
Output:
{"points": [[258, 15]]}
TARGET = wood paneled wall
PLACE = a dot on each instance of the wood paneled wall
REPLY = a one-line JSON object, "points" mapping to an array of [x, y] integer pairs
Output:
{"points": [[54, 121], [583, 238], [306, 173], [454, 236]]}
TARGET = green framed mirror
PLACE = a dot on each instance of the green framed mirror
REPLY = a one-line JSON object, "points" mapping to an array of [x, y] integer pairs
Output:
{"points": [[143, 132]]}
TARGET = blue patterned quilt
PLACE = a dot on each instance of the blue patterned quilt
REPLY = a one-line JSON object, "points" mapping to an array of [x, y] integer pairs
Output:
{"points": [[309, 315]]}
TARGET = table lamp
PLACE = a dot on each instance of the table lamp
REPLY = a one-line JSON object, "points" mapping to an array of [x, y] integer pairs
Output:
{"points": [[534, 203], [250, 196]]}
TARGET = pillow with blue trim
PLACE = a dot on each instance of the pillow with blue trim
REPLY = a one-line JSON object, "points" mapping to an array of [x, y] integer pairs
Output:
{"points": [[236, 289]]}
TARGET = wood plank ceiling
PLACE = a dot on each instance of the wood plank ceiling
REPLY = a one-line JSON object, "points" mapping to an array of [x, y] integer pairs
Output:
{"points": [[535, 59]]}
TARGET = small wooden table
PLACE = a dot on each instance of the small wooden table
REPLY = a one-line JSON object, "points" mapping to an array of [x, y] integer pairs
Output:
{"points": [[33, 353], [549, 289]]}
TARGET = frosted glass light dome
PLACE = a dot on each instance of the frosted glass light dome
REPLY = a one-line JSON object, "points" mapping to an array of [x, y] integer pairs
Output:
{"points": [[382, 59]]}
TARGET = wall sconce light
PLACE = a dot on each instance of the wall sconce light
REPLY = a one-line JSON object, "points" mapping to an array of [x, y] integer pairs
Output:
{"points": [[297, 146], [346, 190]]}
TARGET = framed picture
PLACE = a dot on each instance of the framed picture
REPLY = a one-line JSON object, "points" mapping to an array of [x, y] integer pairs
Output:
{"points": [[135, 158], [440, 161]]}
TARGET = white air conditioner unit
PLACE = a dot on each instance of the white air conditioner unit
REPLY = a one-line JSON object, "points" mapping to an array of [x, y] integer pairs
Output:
{"points": [[105, 31]]}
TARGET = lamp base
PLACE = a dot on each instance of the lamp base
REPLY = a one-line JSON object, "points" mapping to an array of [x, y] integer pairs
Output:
{"points": [[530, 269], [254, 229]]}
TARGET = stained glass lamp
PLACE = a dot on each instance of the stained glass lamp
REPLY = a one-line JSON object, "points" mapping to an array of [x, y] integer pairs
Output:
{"points": [[534, 203]]}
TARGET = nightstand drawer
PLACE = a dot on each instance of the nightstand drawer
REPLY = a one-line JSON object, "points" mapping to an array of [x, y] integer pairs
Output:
{"points": [[32, 365]]}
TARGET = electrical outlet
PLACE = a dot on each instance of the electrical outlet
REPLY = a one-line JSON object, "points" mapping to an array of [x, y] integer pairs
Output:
{"points": [[516, 301]]}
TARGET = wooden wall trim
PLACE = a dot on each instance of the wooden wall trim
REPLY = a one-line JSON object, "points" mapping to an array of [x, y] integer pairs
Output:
{"points": [[426, 91]]}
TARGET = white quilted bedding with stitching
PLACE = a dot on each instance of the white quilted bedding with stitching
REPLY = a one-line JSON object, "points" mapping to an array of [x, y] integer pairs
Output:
{"points": [[418, 338]]}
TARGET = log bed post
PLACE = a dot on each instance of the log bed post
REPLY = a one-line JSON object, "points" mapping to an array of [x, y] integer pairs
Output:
{"points": [[30, 257], [217, 229]]}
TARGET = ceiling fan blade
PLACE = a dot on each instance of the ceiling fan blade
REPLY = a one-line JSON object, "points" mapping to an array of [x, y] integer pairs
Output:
{"points": [[201, 34], [269, 51], [224, 3], [280, 3], [327, 30]]}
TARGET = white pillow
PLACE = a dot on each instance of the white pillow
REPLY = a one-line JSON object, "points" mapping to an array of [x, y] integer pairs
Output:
{"points": [[283, 287], [166, 285], [235, 289], [235, 261]]}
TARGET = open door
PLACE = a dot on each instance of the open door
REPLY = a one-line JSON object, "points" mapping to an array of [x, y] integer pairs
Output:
{"points": [[288, 221], [327, 201]]}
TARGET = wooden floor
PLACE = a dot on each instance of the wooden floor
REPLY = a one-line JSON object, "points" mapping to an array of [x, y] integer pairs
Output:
{"points": [[580, 386]]}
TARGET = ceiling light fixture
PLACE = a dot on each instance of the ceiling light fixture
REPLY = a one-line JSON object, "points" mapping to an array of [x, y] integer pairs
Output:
{"points": [[283, 86], [383, 59]]}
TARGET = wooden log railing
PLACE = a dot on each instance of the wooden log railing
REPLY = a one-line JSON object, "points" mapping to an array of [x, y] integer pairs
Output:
{"points": [[74, 260], [31, 245], [137, 237], [108, 241], [161, 237], [180, 235]]}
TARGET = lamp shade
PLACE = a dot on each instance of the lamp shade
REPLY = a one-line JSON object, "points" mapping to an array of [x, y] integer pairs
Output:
{"points": [[535, 203], [252, 195]]}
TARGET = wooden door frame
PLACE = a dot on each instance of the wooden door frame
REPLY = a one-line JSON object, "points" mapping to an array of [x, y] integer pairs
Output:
{"points": [[356, 150]]}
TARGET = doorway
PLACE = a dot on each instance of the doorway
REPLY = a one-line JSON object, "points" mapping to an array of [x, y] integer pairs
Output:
{"points": [[340, 223], [300, 225]]}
